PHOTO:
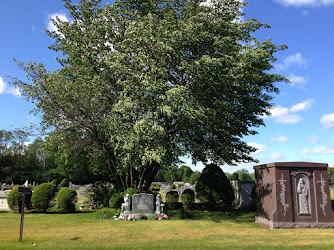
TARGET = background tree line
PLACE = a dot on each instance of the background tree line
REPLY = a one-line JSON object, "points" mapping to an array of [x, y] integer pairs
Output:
{"points": [[40, 162]]}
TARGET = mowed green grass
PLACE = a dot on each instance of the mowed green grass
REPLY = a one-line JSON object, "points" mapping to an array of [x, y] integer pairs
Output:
{"points": [[230, 230]]}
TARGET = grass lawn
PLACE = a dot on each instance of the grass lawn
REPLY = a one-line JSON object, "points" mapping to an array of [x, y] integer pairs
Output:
{"points": [[206, 230]]}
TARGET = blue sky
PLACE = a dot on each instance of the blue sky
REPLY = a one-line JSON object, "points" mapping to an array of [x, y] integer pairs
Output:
{"points": [[302, 123]]}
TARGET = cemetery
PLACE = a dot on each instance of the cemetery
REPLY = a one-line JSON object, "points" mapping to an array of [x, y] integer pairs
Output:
{"points": [[139, 117], [278, 188]]}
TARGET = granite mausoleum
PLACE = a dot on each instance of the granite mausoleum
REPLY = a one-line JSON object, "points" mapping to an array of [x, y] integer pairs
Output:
{"points": [[293, 195]]}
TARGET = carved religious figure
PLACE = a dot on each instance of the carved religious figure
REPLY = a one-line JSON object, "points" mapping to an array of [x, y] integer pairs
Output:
{"points": [[303, 197], [158, 204], [126, 204]]}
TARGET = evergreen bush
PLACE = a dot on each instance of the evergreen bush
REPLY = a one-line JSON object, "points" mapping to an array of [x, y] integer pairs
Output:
{"points": [[66, 199], [213, 186], [14, 200], [172, 198], [188, 198], [116, 200], [64, 182], [42, 196], [130, 191]]}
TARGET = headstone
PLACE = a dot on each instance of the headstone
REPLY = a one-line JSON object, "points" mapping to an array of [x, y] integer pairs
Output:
{"points": [[243, 193], [293, 195], [3, 200], [142, 203]]}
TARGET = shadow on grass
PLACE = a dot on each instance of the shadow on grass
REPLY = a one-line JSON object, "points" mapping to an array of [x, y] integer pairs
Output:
{"points": [[216, 216]]}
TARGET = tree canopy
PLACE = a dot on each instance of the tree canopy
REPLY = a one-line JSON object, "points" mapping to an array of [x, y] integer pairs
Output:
{"points": [[142, 83]]}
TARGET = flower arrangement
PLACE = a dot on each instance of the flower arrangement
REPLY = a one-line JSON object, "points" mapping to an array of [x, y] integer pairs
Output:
{"points": [[162, 217], [92, 205]]}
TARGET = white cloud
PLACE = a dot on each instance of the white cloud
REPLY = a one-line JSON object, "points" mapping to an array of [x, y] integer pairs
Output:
{"points": [[292, 61], [299, 3], [282, 115], [260, 148], [289, 119], [297, 80], [277, 156], [327, 120], [62, 17], [296, 59], [4, 89], [286, 116], [2, 86], [281, 139], [302, 106], [316, 150], [313, 139], [33, 28]]}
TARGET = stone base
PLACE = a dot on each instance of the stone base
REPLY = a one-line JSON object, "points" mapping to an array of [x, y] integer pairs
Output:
{"points": [[282, 225]]}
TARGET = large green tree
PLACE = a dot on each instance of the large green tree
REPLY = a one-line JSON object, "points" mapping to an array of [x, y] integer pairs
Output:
{"points": [[142, 83]]}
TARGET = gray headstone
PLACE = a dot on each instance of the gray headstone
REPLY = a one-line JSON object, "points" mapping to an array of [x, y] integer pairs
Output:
{"points": [[3, 200], [142, 203]]}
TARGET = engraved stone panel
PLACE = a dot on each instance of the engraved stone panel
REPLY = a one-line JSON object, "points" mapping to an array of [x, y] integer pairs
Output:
{"points": [[142, 203]]}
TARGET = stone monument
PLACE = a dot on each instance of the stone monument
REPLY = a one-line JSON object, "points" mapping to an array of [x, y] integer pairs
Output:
{"points": [[126, 204], [3, 200], [293, 195], [142, 203], [159, 206]]}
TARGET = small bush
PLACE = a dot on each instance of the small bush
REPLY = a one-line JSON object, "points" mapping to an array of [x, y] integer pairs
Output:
{"points": [[116, 200], [107, 197], [54, 182], [172, 186], [180, 185], [172, 198], [130, 191], [64, 183], [105, 213], [188, 198], [42, 196], [66, 199], [14, 200]]}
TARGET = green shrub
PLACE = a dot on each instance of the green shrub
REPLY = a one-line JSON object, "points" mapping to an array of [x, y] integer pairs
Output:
{"points": [[107, 197], [180, 185], [172, 198], [64, 183], [54, 182], [105, 213], [42, 196], [172, 186], [213, 186], [66, 199], [130, 191], [116, 200], [188, 198], [14, 200]]}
